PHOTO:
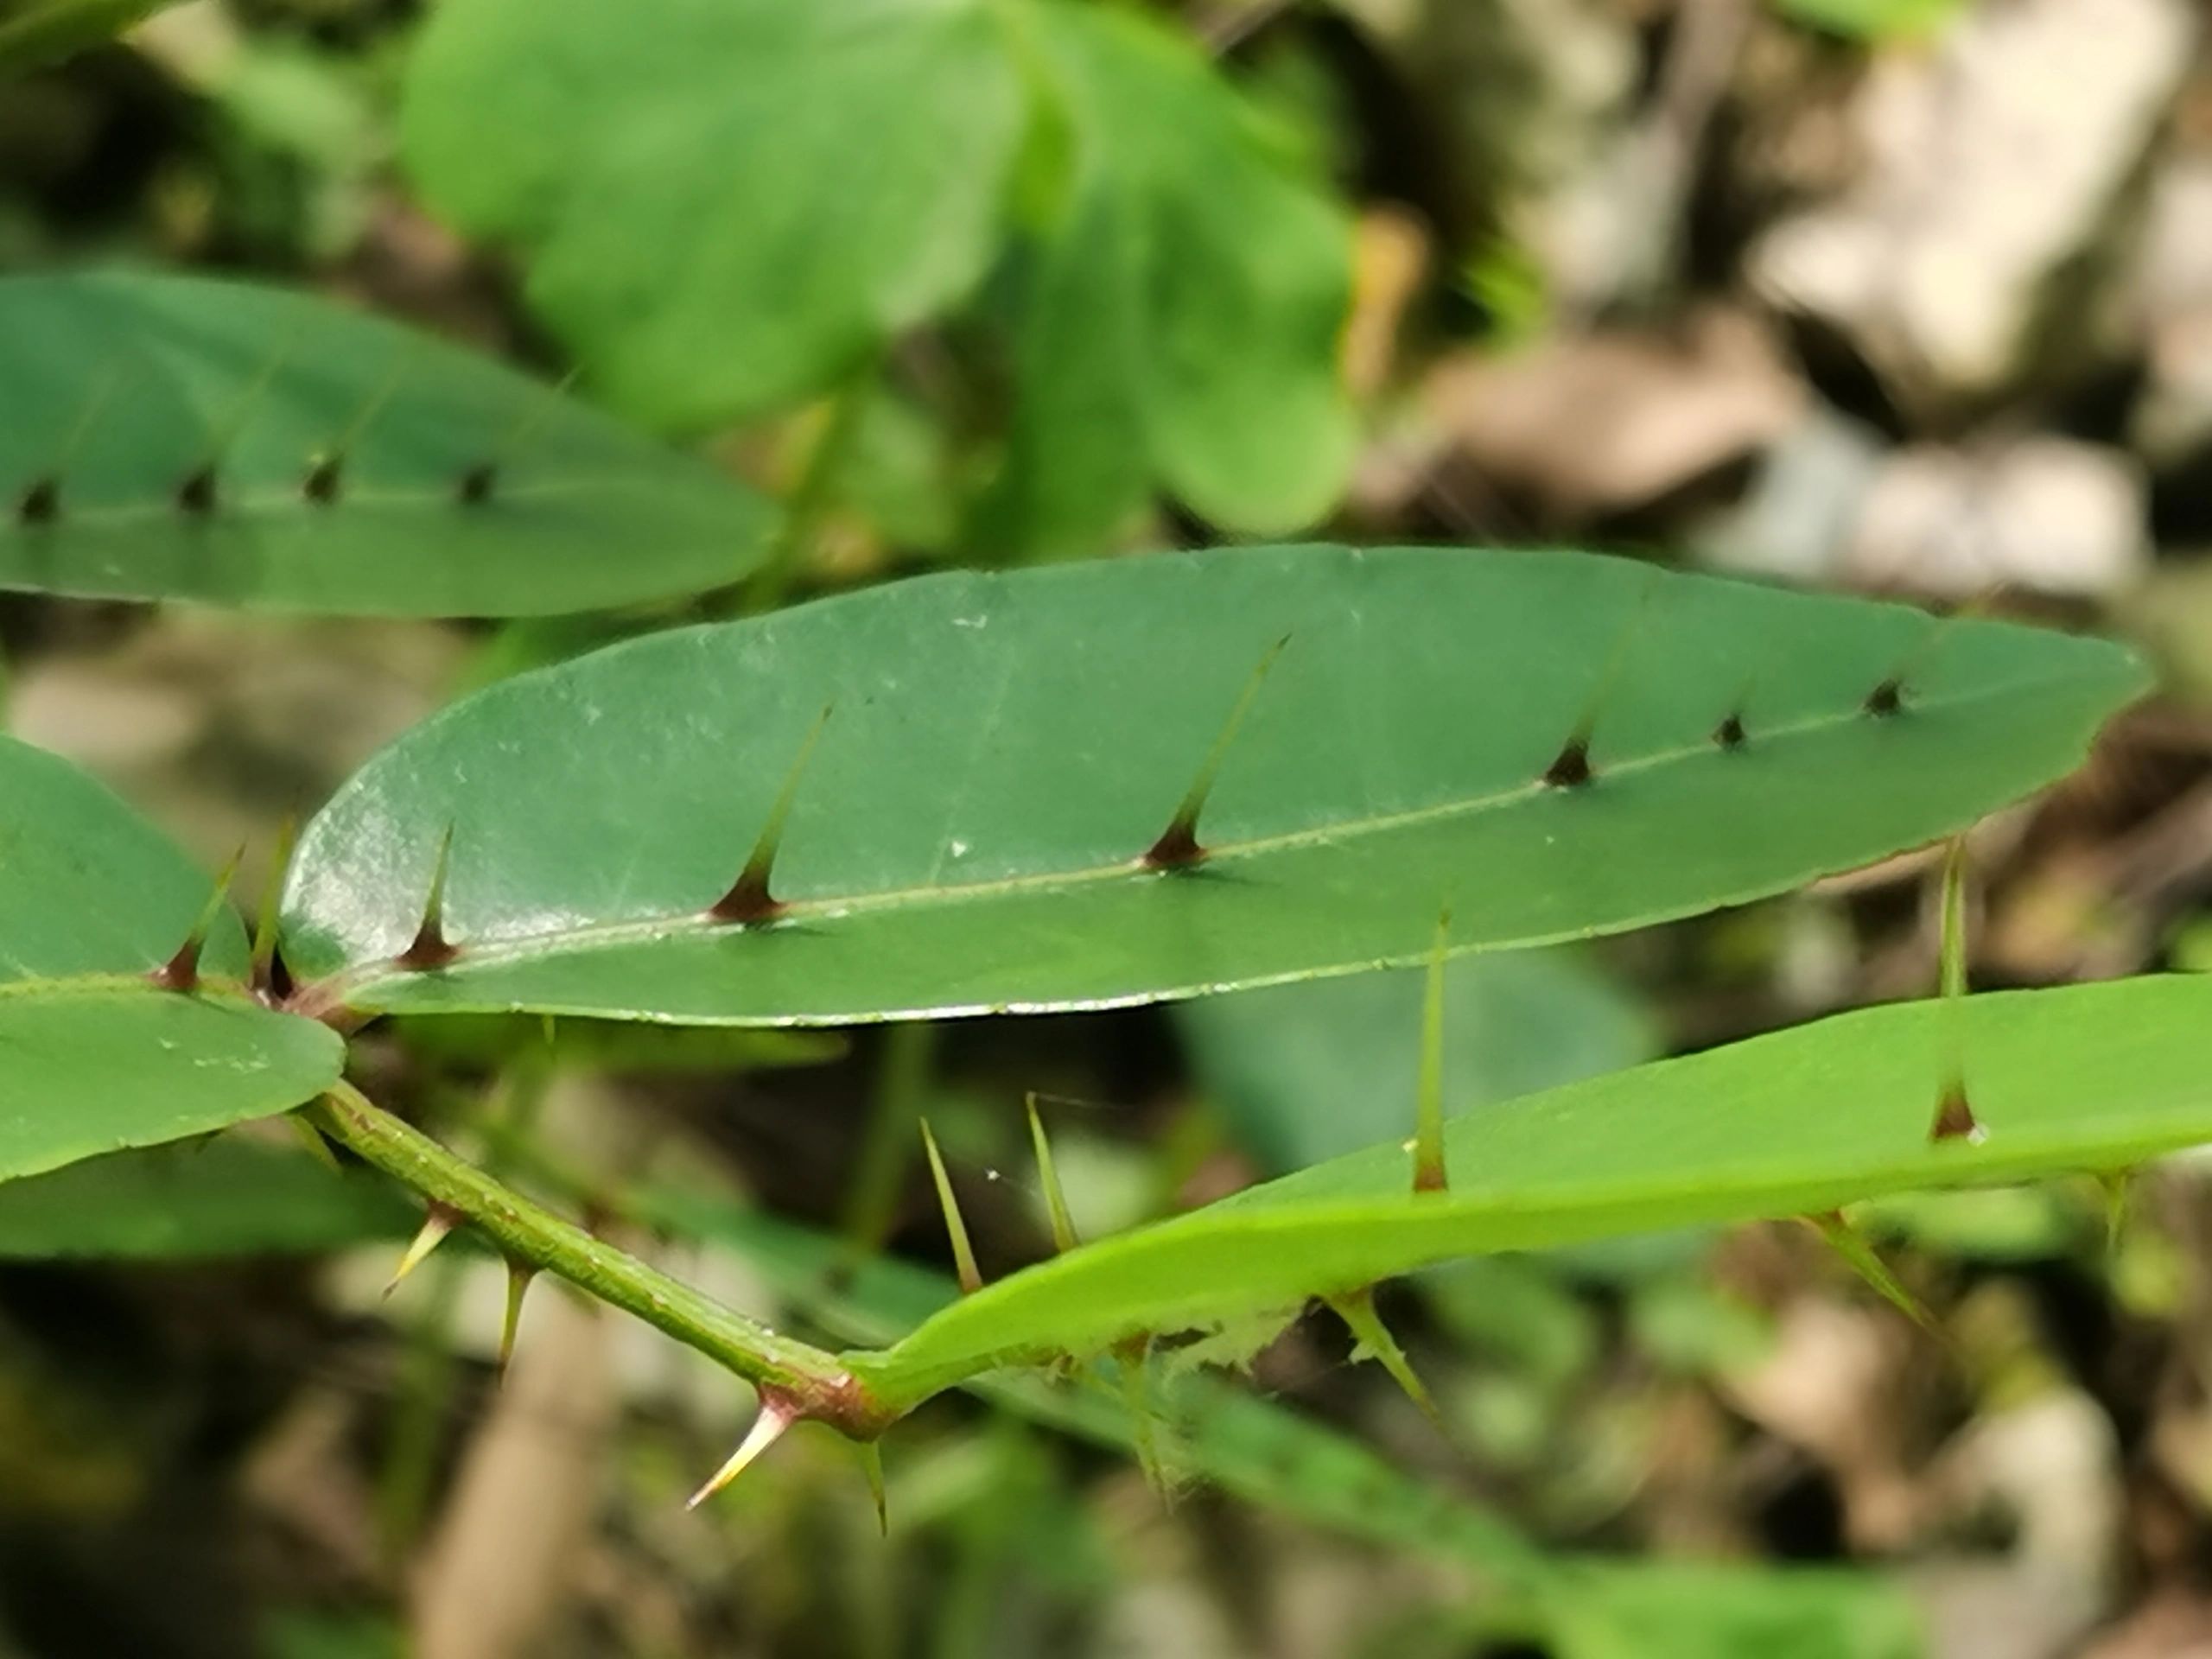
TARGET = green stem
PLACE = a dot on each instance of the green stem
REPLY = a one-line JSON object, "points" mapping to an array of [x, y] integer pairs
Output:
{"points": [[814, 1383]]}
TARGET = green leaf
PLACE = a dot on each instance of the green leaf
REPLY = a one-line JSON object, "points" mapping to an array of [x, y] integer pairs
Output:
{"points": [[970, 830], [2096, 1077], [1310, 1072], [1271, 1455], [230, 1199], [170, 437], [1182, 306], [726, 205], [94, 1056], [46, 31]]}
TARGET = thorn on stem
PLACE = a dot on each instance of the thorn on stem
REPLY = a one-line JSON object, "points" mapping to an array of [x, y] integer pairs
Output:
{"points": [[872, 1467], [1178, 846], [964, 1253], [437, 1227], [750, 901], [520, 1274], [1847, 1243], [777, 1413]]}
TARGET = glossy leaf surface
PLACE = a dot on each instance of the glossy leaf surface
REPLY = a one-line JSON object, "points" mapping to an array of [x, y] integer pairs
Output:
{"points": [[170, 437], [969, 831], [2090, 1078]]}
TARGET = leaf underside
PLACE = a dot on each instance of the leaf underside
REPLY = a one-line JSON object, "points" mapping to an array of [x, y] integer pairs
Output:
{"points": [[171, 437], [968, 833], [2094, 1078]]}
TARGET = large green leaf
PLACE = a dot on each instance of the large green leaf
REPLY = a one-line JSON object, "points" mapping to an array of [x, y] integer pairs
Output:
{"points": [[170, 437], [970, 832], [1310, 1072], [726, 203], [1803, 1121], [1182, 306], [94, 1056]]}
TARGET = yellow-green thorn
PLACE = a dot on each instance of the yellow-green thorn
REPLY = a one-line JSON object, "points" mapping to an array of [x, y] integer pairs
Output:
{"points": [[749, 902], [1847, 1243], [2118, 1187], [311, 1138], [1372, 1340], [777, 1415], [1954, 1119], [1132, 1356], [437, 1227], [1063, 1238], [1429, 1173], [964, 1255], [871, 1466], [520, 1274]]}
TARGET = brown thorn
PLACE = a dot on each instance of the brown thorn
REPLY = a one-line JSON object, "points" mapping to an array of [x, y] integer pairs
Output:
{"points": [[1954, 1118], [324, 478], [477, 484], [267, 969], [1886, 699], [1730, 734], [749, 902], [39, 503], [196, 492], [181, 972], [779, 1411], [1571, 770], [1178, 846], [430, 949]]}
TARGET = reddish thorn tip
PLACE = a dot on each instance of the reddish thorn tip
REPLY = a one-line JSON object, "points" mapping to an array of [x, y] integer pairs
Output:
{"points": [[1954, 1118], [196, 492], [41, 501], [1572, 769], [1886, 699], [430, 950], [1730, 734], [477, 484], [324, 480], [1177, 849]]}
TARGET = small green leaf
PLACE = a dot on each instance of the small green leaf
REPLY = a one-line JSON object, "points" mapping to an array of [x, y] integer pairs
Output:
{"points": [[1182, 306], [231, 1198], [170, 437], [984, 822], [724, 204], [94, 1057], [1803, 1121]]}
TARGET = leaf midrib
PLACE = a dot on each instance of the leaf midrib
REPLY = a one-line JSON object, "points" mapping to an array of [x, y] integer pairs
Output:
{"points": [[498, 952]]}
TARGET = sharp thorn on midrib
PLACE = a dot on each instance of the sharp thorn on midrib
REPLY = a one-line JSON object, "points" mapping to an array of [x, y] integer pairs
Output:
{"points": [[750, 901], [40, 504], [1429, 1173], [181, 972], [1178, 846], [1572, 768], [430, 949]]}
